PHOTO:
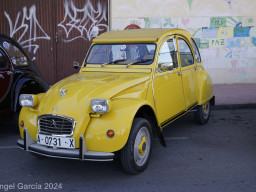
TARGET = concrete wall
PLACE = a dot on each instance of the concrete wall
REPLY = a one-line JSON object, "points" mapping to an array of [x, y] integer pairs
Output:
{"points": [[224, 30]]}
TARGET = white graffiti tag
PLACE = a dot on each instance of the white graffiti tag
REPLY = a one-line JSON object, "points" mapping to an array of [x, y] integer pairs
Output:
{"points": [[27, 24], [87, 26]]}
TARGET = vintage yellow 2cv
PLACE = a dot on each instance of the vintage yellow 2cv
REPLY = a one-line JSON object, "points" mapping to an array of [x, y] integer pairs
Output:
{"points": [[131, 85]]}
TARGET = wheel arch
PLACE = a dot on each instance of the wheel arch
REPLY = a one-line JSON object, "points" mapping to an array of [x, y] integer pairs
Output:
{"points": [[148, 113], [27, 85]]}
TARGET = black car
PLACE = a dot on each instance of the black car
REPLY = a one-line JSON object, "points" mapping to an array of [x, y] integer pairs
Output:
{"points": [[18, 75]]}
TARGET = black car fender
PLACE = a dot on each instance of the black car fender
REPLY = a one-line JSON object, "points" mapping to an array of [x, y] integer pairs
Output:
{"points": [[19, 85]]}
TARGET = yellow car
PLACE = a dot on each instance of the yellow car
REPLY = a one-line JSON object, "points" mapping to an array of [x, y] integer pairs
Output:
{"points": [[131, 85]]}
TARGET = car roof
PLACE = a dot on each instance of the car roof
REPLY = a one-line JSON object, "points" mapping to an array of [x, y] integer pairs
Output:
{"points": [[137, 35]]}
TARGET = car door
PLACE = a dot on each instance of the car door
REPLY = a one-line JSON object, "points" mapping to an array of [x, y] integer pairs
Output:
{"points": [[168, 89], [6, 75], [188, 70]]}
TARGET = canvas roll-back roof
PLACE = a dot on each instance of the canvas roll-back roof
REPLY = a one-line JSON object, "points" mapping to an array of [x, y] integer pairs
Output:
{"points": [[135, 35]]}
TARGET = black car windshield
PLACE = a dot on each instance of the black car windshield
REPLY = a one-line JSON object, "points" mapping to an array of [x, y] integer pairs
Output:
{"points": [[122, 54]]}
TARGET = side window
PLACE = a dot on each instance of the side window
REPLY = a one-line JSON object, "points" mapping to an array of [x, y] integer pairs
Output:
{"points": [[167, 59], [3, 63], [17, 57], [196, 51], [186, 56]]}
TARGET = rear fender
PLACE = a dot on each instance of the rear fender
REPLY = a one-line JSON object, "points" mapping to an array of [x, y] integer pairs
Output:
{"points": [[204, 87]]}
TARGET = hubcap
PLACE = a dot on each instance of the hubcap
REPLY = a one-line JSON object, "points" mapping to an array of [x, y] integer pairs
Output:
{"points": [[206, 110], [142, 146]]}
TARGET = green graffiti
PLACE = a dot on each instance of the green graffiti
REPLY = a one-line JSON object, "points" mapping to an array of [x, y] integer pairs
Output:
{"points": [[204, 44], [218, 22], [167, 22], [190, 2], [147, 23]]}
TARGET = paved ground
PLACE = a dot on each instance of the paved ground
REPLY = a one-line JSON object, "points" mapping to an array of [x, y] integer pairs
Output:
{"points": [[217, 157], [235, 94]]}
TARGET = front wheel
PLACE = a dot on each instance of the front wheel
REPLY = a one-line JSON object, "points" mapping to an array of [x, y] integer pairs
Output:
{"points": [[136, 153], [203, 113]]}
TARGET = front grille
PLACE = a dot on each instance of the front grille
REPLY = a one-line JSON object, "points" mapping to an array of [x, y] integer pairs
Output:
{"points": [[56, 125]]}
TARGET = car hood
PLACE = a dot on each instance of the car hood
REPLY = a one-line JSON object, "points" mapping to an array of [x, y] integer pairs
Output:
{"points": [[79, 89]]}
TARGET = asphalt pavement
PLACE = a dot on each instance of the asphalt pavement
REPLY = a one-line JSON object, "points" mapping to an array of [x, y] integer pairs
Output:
{"points": [[217, 157]]}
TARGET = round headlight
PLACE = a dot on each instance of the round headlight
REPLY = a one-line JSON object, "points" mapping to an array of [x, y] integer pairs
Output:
{"points": [[27, 100], [100, 105]]}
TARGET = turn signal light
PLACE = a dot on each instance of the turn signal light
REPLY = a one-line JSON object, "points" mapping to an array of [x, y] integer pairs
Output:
{"points": [[110, 133], [22, 124]]}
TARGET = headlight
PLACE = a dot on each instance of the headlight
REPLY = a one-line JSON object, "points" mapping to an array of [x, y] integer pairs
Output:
{"points": [[100, 105], [28, 100]]}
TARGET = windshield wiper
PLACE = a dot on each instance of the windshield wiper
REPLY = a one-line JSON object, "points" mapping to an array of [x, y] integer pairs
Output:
{"points": [[140, 61], [113, 62]]}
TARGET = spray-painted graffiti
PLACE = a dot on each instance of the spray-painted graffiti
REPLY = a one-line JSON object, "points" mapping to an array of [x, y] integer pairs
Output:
{"points": [[235, 68], [241, 31], [87, 26], [189, 3], [28, 26], [254, 41], [218, 21], [229, 3]]}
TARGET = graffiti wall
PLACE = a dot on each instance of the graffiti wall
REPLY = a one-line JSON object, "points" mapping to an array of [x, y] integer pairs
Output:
{"points": [[54, 33], [225, 31]]}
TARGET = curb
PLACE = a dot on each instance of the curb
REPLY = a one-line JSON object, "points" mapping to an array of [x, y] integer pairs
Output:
{"points": [[235, 106]]}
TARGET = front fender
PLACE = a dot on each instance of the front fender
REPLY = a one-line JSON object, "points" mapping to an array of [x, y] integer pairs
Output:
{"points": [[119, 119], [204, 87], [29, 116]]}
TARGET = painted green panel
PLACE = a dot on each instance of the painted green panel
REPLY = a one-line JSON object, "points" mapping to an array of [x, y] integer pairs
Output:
{"points": [[218, 22]]}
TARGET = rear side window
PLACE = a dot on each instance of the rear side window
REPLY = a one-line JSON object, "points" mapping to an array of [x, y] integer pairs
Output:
{"points": [[186, 56], [196, 51], [17, 57]]}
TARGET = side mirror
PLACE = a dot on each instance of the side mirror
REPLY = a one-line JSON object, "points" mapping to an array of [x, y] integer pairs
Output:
{"points": [[165, 66], [76, 65]]}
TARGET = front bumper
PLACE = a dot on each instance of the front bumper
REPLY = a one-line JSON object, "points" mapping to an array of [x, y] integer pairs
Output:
{"points": [[80, 154]]}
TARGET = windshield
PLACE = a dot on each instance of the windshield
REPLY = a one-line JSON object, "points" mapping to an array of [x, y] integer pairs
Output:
{"points": [[122, 54]]}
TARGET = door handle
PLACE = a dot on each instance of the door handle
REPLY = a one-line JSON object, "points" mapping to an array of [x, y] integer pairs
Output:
{"points": [[179, 73]]}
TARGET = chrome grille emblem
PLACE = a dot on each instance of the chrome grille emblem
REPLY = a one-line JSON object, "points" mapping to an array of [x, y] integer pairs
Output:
{"points": [[54, 123], [63, 92]]}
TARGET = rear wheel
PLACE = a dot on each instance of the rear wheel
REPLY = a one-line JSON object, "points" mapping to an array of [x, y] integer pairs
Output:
{"points": [[203, 113], [136, 153]]}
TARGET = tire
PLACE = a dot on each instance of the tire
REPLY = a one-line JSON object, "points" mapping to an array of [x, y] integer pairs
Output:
{"points": [[203, 113], [137, 151]]}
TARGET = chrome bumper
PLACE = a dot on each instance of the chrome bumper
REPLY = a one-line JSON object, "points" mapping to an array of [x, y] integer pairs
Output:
{"points": [[80, 154]]}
